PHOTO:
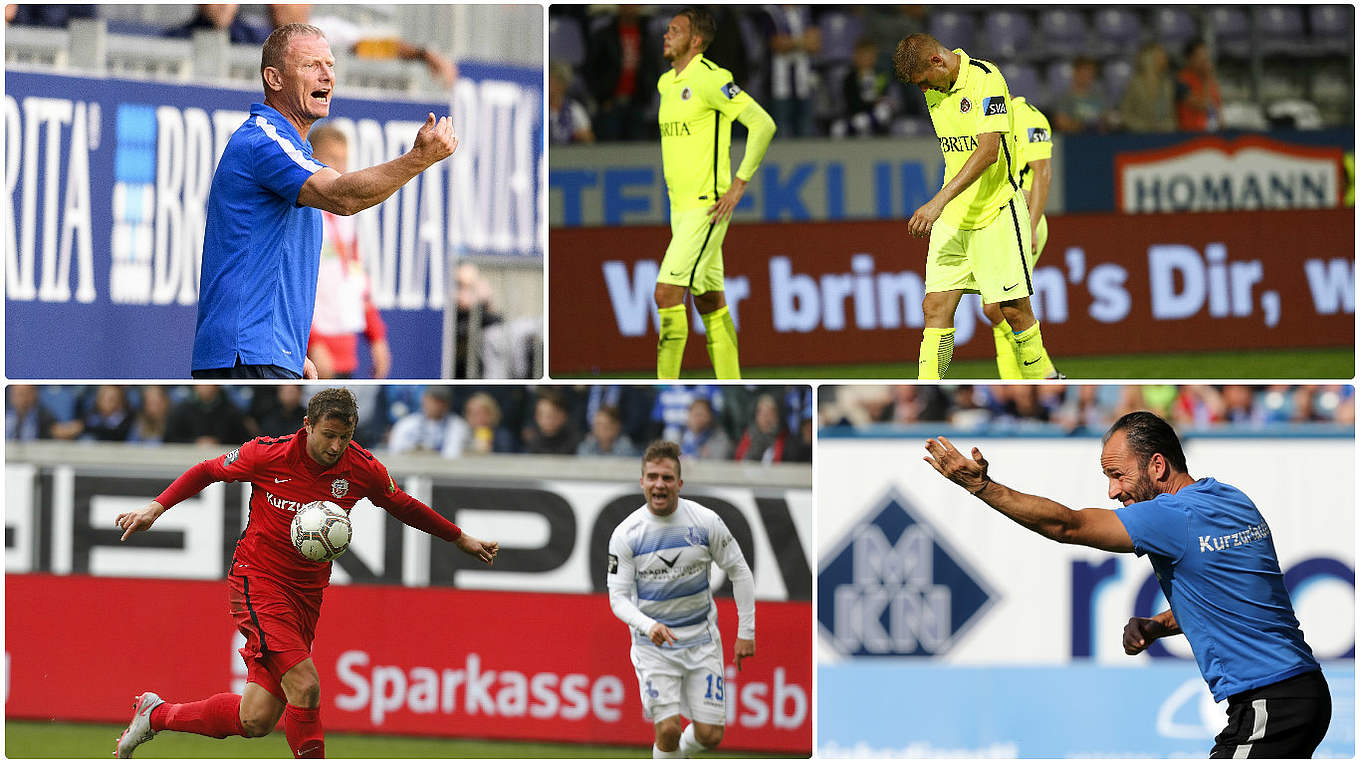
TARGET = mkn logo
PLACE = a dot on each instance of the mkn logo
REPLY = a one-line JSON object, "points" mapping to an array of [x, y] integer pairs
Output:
{"points": [[891, 587]]}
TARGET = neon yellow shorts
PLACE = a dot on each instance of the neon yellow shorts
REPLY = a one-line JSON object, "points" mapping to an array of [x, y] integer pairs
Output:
{"points": [[994, 261], [694, 258], [1040, 239]]}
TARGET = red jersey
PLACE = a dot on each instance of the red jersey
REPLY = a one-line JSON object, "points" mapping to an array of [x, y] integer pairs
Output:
{"points": [[283, 478]]}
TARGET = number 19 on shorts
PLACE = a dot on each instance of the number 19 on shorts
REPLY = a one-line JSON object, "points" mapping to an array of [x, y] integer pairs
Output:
{"points": [[715, 687]]}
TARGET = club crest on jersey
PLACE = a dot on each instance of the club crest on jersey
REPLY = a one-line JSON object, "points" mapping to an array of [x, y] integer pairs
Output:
{"points": [[339, 487], [231, 456], [693, 537], [685, 94], [965, 105], [731, 90]]}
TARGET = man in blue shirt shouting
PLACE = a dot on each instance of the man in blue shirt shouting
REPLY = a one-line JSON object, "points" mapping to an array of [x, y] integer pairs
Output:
{"points": [[1214, 556], [262, 243]]}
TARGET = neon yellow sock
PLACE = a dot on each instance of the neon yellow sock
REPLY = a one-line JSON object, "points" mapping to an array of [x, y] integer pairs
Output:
{"points": [[937, 348], [1007, 364], [722, 344], [670, 348], [1034, 361]]}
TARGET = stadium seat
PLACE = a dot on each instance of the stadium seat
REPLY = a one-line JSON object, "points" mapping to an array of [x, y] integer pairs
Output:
{"points": [[1232, 31], [1062, 32], [840, 32], [1115, 74], [1057, 80], [566, 43], [953, 28], [1173, 26], [1280, 30], [1023, 80], [1118, 32], [1006, 34], [1330, 28]]}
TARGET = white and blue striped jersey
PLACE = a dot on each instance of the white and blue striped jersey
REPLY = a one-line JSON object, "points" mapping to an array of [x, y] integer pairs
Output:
{"points": [[659, 573]]}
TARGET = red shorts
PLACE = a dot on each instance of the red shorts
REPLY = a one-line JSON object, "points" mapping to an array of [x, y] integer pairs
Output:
{"points": [[278, 623]]}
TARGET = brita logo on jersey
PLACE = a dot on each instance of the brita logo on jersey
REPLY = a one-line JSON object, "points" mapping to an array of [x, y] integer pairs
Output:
{"points": [[892, 587]]}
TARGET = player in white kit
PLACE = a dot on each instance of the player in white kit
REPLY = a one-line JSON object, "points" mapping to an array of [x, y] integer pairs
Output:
{"points": [[659, 562]]}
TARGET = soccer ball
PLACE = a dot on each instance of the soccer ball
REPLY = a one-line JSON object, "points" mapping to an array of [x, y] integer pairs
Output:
{"points": [[321, 531]]}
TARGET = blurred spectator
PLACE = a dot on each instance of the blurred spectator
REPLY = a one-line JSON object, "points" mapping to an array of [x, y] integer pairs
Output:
{"points": [[568, 120], [1199, 107], [344, 298], [795, 40], [206, 417], [55, 15], [1239, 407], [670, 414], [703, 437], [483, 416], [551, 432], [621, 69], [25, 418], [798, 448], [344, 35], [276, 410], [729, 48], [434, 428], [633, 402], [606, 436], [1149, 103], [868, 97], [487, 344], [765, 439], [887, 25], [1083, 107], [110, 419], [915, 403], [152, 417], [241, 30]]}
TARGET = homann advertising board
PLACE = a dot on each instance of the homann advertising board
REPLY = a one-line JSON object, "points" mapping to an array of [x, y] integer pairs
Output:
{"points": [[437, 662], [1234, 171], [933, 603], [850, 292], [106, 188]]}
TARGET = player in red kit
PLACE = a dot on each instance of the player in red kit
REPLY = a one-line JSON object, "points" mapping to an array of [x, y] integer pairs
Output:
{"points": [[275, 593]]}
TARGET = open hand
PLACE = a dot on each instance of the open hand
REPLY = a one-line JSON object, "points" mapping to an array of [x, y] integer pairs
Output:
{"points": [[969, 473], [728, 202]]}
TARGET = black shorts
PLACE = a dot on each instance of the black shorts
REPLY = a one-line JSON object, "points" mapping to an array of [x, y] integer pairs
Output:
{"points": [[1284, 719], [246, 372]]}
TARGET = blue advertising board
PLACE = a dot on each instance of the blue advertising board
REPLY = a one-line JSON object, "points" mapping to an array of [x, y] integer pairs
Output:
{"points": [[1226, 171], [107, 182], [915, 709]]}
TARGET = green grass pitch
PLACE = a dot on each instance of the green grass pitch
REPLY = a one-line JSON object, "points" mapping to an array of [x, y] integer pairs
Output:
{"points": [[78, 740], [1285, 364]]}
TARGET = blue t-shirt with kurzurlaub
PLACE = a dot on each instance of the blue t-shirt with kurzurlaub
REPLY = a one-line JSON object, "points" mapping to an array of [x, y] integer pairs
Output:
{"points": [[1213, 554]]}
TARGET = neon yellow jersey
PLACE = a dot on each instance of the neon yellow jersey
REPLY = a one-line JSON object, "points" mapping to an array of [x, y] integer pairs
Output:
{"points": [[979, 102], [697, 108], [1035, 137]]}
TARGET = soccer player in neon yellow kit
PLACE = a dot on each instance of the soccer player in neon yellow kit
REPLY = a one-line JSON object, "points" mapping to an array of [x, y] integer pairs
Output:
{"points": [[1035, 142], [975, 221], [699, 100]]}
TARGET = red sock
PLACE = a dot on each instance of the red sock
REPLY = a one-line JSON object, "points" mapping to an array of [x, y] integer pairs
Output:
{"points": [[302, 727], [218, 716]]}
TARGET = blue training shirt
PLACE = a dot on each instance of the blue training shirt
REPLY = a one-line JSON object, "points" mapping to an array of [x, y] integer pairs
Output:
{"points": [[261, 250], [1216, 562]]}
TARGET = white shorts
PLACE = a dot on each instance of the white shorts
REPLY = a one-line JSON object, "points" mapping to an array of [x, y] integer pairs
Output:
{"points": [[686, 681]]}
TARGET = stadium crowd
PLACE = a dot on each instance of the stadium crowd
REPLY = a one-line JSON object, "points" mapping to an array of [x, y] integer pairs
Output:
{"points": [[1084, 408], [826, 70], [756, 424]]}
